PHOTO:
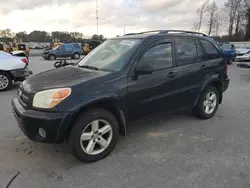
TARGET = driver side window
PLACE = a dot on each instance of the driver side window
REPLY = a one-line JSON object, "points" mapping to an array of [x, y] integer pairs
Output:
{"points": [[61, 48], [159, 56]]}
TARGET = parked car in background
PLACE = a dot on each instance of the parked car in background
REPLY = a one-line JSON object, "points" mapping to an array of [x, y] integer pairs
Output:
{"points": [[243, 54], [72, 50], [12, 68], [19, 54], [123, 79], [229, 52]]}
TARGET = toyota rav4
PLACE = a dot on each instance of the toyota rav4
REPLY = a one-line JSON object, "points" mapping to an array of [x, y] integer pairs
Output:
{"points": [[125, 78]]}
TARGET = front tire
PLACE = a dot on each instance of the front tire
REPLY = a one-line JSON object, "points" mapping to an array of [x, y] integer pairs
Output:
{"points": [[208, 103], [5, 81], [94, 135], [52, 57]]}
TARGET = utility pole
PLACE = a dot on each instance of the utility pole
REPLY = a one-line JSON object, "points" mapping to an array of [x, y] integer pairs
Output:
{"points": [[124, 30], [96, 17]]}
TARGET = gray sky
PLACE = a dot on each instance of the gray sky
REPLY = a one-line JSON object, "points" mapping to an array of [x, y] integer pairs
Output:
{"points": [[79, 15]]}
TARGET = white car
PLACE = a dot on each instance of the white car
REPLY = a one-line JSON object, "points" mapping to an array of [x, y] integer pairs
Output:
{"points": [[12, 68], [243, 54]]}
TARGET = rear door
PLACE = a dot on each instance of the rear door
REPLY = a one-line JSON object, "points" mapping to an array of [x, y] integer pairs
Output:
{"points": [[190, 62], [154, 92]]}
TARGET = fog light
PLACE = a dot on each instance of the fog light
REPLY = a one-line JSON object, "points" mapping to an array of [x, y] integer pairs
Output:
{"points": [[42, 132]]}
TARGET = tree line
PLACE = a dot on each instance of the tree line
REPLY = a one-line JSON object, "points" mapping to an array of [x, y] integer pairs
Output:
{"points": [[233, 19], [42, 36]]}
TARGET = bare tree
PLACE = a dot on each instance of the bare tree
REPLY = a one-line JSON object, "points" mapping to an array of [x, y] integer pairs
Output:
{"points": [[218, 23], [233, 7], [212, 13], [240, 17], [247, 4], [201, 13]]}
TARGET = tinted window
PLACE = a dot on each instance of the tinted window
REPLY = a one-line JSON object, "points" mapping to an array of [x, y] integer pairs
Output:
{"points": [[185, 51], [68, 47], [200, 52], [159, 56], [77, 46], [210, 50], [60, 47]]}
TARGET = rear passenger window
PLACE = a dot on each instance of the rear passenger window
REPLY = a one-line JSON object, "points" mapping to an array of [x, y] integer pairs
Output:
{"points": [[210, 50], [200, 52], [68, 47], [185, 51], [77, 46], [159, 56]]}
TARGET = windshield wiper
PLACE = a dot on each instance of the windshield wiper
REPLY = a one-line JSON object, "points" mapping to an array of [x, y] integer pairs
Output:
{"points": [[88, 67]]}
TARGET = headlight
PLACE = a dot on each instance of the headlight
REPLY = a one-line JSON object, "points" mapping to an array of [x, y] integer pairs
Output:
{"points": [[247, 54], [50, 98]]}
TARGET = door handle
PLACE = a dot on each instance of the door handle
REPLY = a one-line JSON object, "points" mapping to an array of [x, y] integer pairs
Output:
{"points": [[203, 66], [171, 74]]}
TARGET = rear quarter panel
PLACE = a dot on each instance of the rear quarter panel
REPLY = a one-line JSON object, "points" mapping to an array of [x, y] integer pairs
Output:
{"points": [[11, 63]]}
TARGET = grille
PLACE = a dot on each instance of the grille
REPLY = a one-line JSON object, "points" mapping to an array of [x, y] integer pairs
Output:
{"points": [[23, 98], [240, 54]]}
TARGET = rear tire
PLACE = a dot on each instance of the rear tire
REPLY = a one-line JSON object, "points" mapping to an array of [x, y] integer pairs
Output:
{"points": [[52, 57], [5, 81], [96, 144], [208, 103], [76, 56], [230, 62]]}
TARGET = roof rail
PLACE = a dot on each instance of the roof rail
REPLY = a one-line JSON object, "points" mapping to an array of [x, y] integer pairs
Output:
{"points": [[168, 31], [182, 31], [152, 31]]}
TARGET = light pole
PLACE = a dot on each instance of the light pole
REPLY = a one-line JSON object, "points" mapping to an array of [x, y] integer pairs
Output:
{"points": [[96, 17]]}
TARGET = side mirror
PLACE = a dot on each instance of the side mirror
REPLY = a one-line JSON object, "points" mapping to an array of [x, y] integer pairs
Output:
{"points": [[144, 69]]}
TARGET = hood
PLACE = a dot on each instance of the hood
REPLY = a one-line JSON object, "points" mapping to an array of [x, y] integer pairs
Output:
{"points": [[47, 50], [68, 76], [242, 50], [229, 51]]}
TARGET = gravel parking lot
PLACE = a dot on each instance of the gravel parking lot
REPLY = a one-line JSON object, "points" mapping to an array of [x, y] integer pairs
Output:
{"points": [[161, 151]]}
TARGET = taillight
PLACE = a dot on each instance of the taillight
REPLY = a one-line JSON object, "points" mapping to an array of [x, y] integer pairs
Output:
{"points": [[25, 61]]}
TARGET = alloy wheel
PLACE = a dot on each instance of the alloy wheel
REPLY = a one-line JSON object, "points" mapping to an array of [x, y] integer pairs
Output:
{"points": [[96, 137], [4, 82], [210, 103]]}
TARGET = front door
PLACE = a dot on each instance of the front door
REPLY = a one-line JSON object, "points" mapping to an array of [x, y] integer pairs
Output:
{"points": [[153, 92], [60, 51]]}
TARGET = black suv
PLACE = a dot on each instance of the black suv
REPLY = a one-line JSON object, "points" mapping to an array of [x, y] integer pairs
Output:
{"points": [[124, 78]]}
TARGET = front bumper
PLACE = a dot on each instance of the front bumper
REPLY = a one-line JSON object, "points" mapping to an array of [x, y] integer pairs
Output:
{"points": [[45, 56], [226, 84], [31, 120], [243, 58]]}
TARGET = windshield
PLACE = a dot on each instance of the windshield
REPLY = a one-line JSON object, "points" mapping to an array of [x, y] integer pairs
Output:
{"points": [[110, 55], [56, 47]]}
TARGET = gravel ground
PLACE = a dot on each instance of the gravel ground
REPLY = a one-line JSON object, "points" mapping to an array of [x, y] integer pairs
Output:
{"points": [[175, 151]]}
